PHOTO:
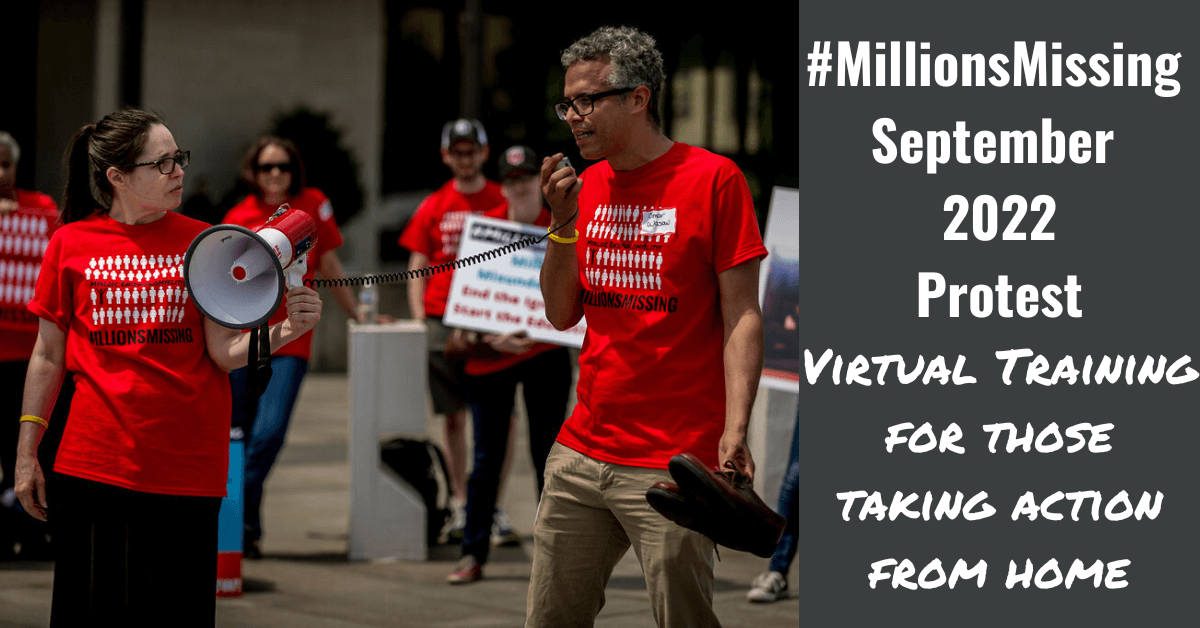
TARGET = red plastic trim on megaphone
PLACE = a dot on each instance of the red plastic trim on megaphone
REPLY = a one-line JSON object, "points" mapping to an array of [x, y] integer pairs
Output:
{"points": [[211, 263]]}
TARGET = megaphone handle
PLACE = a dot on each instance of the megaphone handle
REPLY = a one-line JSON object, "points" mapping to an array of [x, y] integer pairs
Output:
{"points": [[293, 275]]}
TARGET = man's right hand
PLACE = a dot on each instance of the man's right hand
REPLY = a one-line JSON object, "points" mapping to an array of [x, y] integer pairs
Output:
{"points": [[561, 189]]}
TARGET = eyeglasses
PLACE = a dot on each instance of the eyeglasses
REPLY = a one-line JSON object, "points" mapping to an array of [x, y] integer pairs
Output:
{"points": [[583, 104], [284, 167], [166, 165]]}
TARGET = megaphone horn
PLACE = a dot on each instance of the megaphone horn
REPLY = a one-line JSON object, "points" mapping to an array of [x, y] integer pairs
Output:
{"points": [[236, 275]]}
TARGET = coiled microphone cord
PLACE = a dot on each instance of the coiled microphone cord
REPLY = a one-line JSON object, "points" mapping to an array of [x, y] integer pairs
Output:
{"points": [[367, 280]]}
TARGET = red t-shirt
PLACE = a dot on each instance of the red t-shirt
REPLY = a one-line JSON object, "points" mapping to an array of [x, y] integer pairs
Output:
{"points": [[652, 242], [252, 212], [24, 234], [151, 409], [435, 229], [486, 366]]}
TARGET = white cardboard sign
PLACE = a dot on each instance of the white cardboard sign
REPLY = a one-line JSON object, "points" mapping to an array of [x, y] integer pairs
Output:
{"points": [[503, 294]]}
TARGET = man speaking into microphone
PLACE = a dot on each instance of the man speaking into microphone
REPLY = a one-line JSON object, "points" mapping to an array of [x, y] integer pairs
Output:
{"points": [[655, 222]]}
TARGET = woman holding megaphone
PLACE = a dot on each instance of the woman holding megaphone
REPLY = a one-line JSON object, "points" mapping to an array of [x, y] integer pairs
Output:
{"points": [[138, 478]]}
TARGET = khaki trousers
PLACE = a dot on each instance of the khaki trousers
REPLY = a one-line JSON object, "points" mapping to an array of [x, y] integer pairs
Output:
{"points": [[590, 513]]}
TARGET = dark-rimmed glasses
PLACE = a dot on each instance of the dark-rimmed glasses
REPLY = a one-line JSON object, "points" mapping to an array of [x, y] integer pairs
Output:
{"points": [[166, 165], [583, 104]]}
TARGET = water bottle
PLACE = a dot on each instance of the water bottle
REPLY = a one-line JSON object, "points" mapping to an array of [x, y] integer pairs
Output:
{"points": [[368, 303]]}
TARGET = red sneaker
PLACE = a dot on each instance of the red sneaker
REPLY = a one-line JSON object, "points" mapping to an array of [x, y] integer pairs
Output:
{"points": [[467, 570]]}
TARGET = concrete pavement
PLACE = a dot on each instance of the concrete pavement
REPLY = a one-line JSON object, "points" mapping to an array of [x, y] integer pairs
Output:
{"points": [[305, 578]]}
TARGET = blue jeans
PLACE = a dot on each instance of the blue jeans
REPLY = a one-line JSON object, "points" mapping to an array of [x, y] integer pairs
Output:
{"points": [[547, 384], [265, 428], [789, 506]]}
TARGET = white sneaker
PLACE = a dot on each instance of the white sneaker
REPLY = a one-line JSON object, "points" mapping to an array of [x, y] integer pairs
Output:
{"points": [[502, 531], [458, 522], [769, 586]]}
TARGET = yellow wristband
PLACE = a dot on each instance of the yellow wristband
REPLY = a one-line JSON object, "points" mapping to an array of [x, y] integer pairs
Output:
{"points": [[35, 419], [563, 240]]}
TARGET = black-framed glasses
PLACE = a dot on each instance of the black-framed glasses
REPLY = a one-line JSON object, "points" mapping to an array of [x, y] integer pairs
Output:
{"points": [[583, 104], [283, 166], [166, 165]]}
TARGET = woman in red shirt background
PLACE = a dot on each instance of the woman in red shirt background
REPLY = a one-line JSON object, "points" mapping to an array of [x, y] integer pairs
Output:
{"points": [[273, 170]]}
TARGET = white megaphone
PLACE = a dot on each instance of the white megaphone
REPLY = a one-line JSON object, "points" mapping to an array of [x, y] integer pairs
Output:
{"points": [[236, 275]]}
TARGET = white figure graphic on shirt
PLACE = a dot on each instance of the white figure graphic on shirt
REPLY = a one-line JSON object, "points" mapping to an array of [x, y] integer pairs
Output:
{"points": [[162, 313], [108, 296], [127, 296], [137, 316], [153, 315], [184, 295], [144, 295], [118, 314], [93, 296], [658, 261], [109, 315], [95, 315], [161, 295], [128, 316]]}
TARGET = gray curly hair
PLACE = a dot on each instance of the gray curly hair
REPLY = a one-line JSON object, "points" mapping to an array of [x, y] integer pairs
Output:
{"points": [[14, 149], [635, 61]]}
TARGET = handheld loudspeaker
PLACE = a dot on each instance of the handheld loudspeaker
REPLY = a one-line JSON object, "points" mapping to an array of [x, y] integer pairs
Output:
{"points": [[236, 275]]}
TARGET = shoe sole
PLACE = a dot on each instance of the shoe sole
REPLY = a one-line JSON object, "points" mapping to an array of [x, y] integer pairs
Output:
{"points": [[765, 599], [670, 505]]}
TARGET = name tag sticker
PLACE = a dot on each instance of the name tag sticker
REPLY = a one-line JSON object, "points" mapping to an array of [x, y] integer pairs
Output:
{"points": [[658, 222]]}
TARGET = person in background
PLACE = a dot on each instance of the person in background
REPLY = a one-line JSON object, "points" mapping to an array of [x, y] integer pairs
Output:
{"points": [[432, 238], [273, 171], [499, 363], [658, 246], [27, 220], [138, 478], [772, 585]]}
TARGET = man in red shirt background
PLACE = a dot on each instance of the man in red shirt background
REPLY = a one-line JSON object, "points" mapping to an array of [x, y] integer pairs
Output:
{"points": [[432, 238]]}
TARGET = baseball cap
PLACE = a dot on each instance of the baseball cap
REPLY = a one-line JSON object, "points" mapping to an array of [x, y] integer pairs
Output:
{"points": [[518, 158], [463, 129]]}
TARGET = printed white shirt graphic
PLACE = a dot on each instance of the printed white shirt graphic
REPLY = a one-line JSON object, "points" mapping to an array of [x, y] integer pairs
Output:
{"points": [[24, 235], [451, 228], [119, 296], [625, 245]]}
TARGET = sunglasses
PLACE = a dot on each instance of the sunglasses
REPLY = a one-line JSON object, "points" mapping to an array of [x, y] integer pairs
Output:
{"points": [[283, 167]]}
